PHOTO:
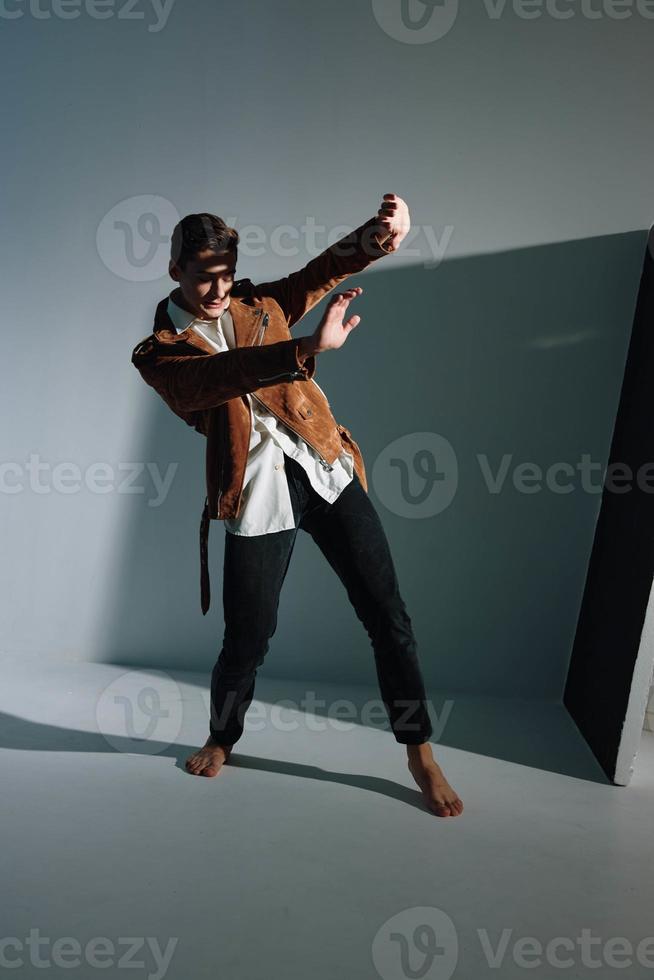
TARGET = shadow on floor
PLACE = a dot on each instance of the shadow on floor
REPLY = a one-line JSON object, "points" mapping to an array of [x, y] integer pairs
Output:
{"points": [[537, 734]]}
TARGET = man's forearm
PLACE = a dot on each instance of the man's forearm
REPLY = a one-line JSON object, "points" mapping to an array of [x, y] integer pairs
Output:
{"points": [[301, 291], [191, 383]]}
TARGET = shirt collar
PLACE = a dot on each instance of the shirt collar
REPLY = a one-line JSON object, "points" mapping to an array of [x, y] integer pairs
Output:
{"points": [[182, 319]]}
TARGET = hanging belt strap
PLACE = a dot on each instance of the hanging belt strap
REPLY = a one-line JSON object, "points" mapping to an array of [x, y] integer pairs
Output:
{"points": [[205, 588]]}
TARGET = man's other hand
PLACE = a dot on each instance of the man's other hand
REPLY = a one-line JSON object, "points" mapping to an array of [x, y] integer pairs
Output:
{"points": [[332, 331]]}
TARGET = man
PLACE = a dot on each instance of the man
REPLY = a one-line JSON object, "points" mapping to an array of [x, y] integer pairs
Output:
{"points": [[223, 359]]}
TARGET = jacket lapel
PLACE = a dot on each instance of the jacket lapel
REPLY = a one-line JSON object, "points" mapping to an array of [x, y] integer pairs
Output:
{"points": [[245, 319]]}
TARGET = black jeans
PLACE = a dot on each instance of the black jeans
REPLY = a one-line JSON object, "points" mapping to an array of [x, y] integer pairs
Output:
{"points": [[351, 536]]}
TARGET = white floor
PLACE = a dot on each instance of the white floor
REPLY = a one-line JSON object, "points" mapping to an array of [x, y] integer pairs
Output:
{"points": [[311, 856]]}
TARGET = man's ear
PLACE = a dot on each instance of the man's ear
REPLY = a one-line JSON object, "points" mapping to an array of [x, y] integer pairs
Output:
{"points": [[173, 270]]}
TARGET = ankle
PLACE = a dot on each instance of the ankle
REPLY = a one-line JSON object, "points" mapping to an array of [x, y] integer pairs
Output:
{"points": [[420, 753], [214, 743]]}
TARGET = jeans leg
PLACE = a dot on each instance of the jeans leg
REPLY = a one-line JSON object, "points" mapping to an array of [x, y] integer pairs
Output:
{"points": [[253, 574], [351, 536], [254, 571]]}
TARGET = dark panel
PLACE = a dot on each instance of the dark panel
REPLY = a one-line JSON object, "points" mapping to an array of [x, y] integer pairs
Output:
{"points": [[622, 559]]}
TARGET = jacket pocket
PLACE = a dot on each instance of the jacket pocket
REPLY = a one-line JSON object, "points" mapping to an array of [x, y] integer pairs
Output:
{"points": [[305, 410]]}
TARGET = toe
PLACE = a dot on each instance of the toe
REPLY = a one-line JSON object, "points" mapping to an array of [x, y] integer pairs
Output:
{"points": [[440, 805]]}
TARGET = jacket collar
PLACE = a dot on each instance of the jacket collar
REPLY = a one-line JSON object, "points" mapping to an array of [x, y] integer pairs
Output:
{"points": [[245, 318]]}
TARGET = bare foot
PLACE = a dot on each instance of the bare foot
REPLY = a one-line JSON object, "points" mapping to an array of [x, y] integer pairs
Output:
{"points": [[209, 760], [439, 796]]}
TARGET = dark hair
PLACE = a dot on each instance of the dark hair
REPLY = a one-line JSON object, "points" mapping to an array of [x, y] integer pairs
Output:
{"points": [[197, 232]]}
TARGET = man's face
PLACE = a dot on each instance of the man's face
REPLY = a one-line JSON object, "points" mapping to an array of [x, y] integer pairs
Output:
{"points": [[205, 282]]}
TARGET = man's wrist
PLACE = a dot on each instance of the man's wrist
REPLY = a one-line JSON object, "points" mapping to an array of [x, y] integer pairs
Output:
{"points": [[305, 348]]}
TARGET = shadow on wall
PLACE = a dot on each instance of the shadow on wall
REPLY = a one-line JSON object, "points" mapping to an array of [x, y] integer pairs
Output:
{"points": [[512, 358]]}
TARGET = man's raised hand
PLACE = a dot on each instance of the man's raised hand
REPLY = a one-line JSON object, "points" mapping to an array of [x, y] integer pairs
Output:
{"points": [[393, 216]]}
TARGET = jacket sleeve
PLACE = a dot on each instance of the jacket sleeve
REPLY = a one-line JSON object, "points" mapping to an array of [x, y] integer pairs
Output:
{"points": [[195, 382], [299, 292]]}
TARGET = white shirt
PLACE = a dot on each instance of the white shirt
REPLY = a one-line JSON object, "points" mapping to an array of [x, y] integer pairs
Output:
{"points": [[266, 501]]}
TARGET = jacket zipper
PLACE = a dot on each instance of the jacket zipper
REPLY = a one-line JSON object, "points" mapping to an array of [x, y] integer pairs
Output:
{"points": [[221, 437], [259, 340], [264, 324], [297, 374], [286, 374], [323, 462]]}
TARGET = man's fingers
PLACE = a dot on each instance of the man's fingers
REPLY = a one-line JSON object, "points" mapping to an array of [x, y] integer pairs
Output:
{"points": [[391, 202], [347, 295]]}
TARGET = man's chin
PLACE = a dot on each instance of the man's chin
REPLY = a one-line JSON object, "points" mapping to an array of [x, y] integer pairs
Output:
{"points": [[213, 311]]}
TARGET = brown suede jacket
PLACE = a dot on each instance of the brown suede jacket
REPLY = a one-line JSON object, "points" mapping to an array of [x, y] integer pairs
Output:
{"points": [[207, 389]]}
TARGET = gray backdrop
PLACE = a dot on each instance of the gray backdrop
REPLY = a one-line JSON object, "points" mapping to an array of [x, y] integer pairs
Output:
{"points": [[523, 148]]}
